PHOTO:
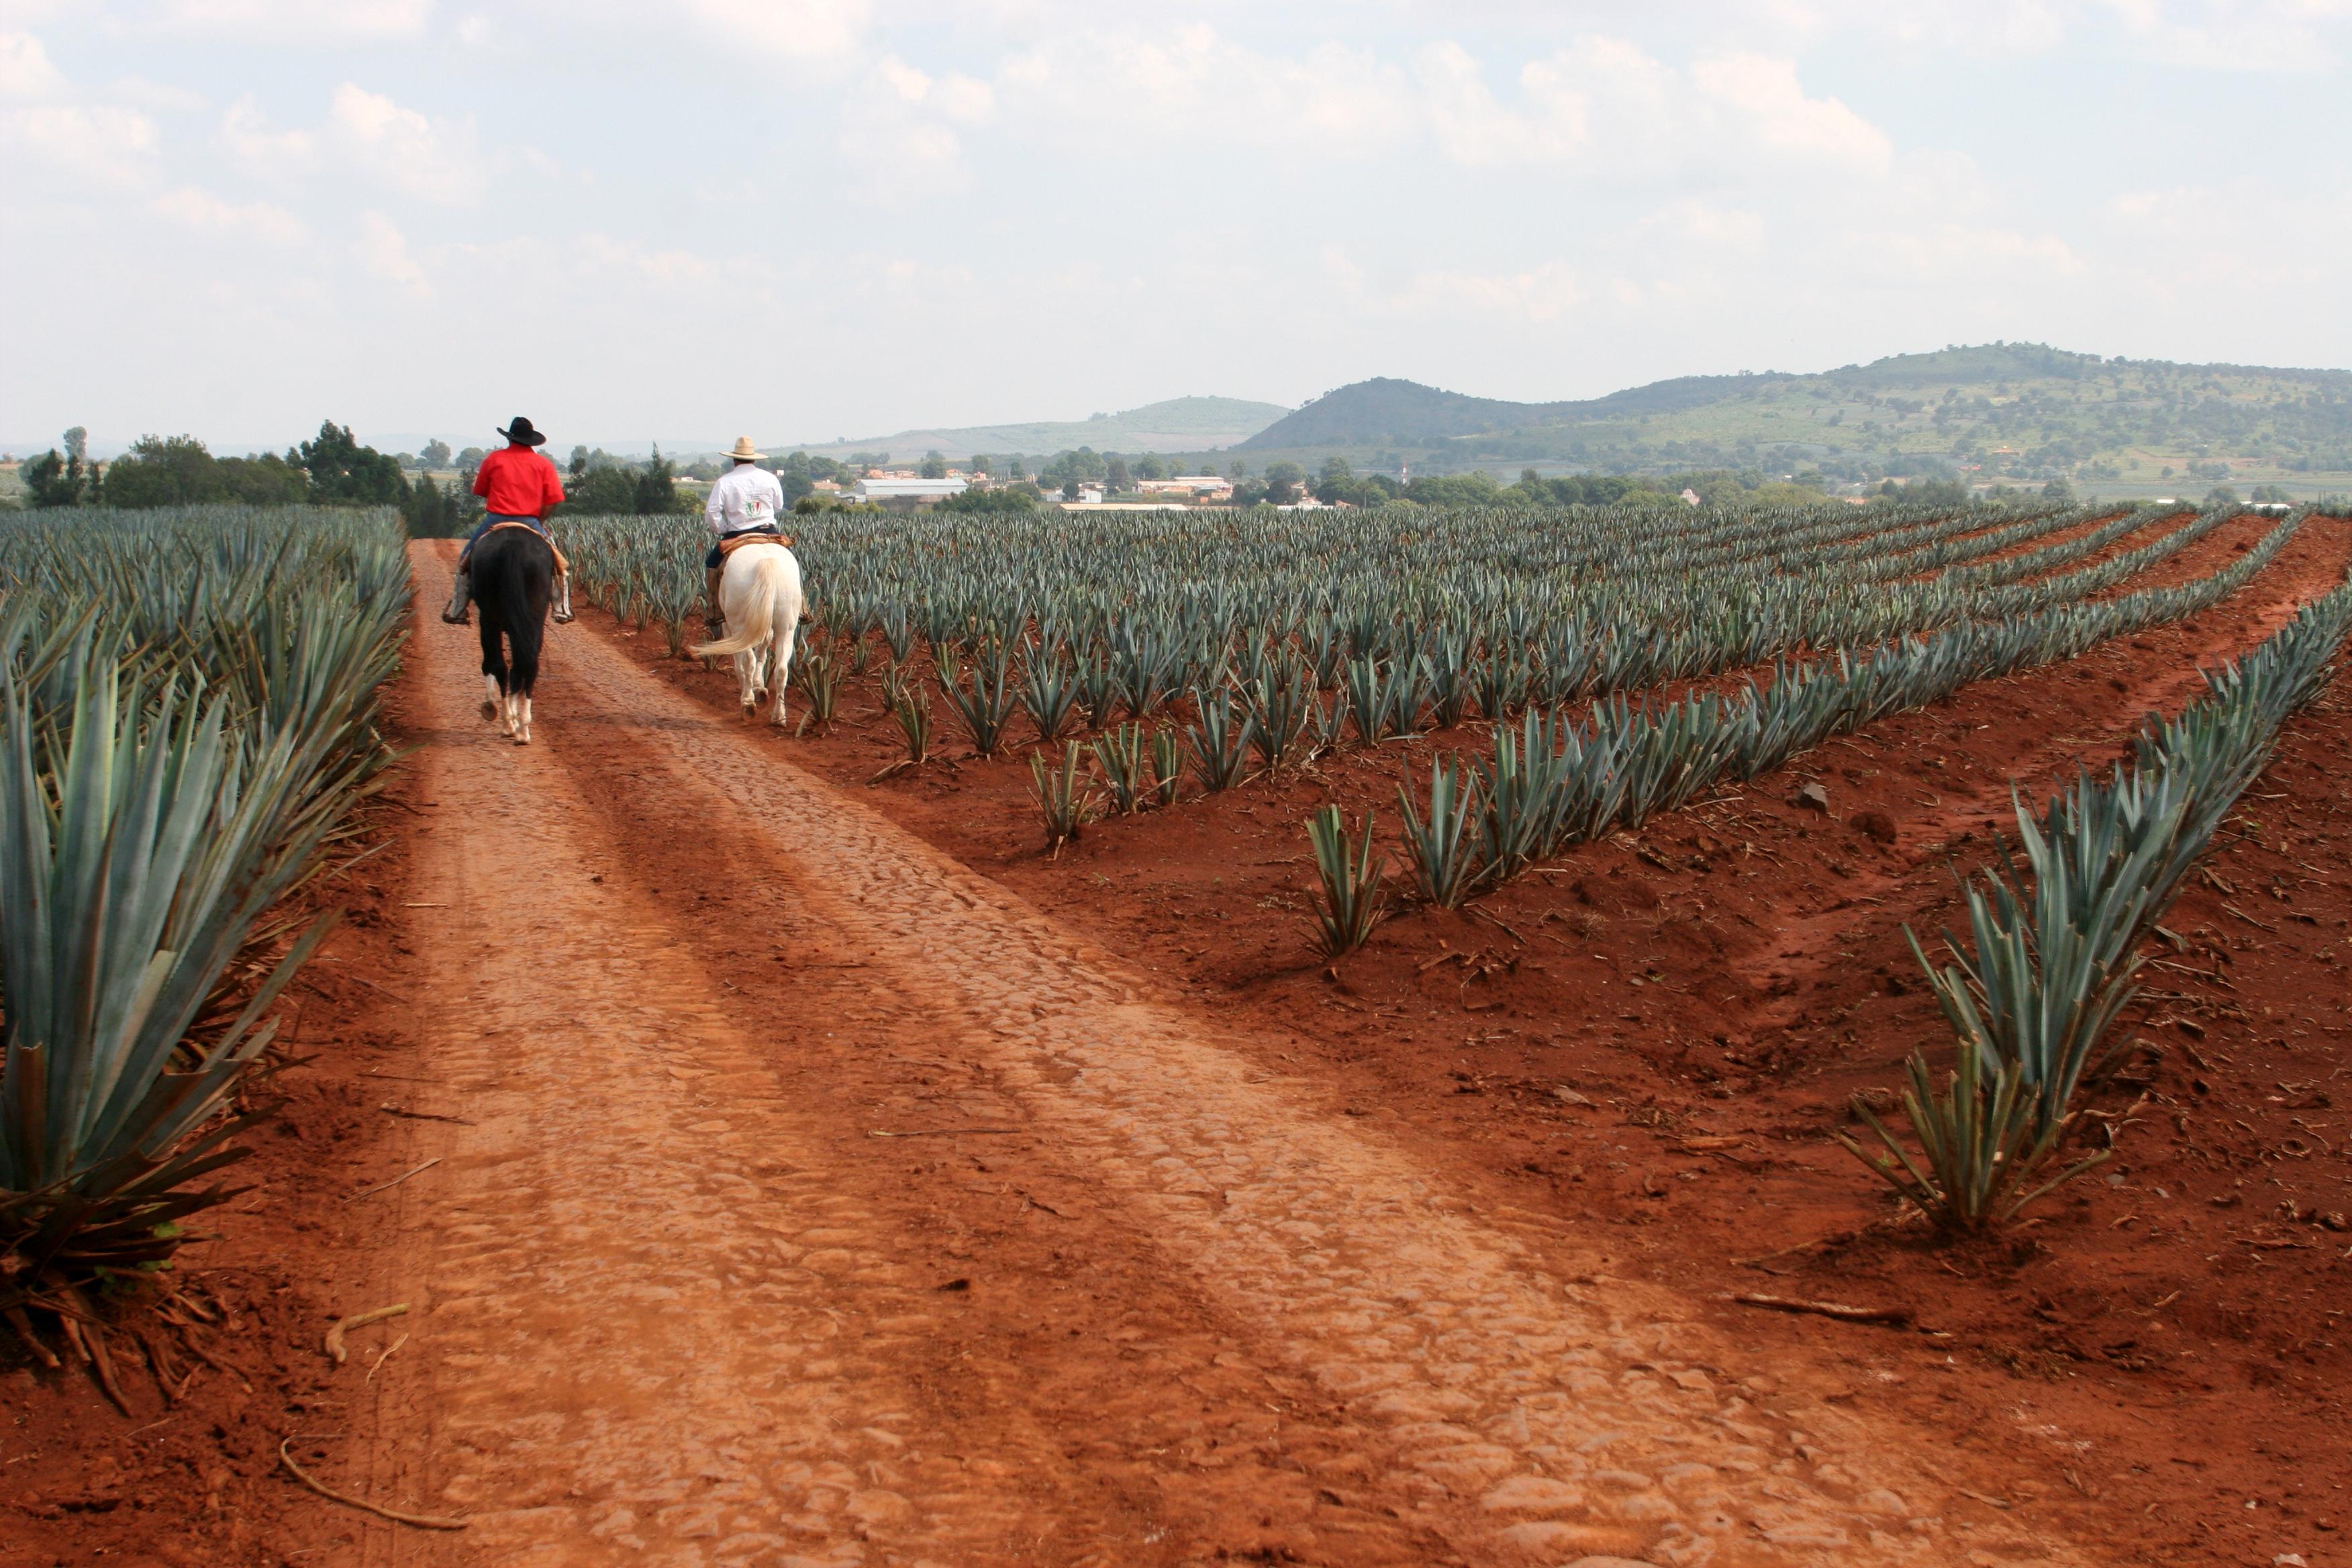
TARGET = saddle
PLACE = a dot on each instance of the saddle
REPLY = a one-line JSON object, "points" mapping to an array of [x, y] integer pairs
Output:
{"points": [[562, 567], [730, 546]]}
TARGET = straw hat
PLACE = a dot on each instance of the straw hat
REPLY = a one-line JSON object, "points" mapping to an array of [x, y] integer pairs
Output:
{"points": [[745, 452]]}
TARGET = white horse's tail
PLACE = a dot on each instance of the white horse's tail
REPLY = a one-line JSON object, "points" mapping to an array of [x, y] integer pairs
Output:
{"points": [[770, 596]]}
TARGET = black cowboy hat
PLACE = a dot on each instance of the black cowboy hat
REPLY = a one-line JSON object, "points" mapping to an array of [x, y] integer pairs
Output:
{"points": [[522, 434]]}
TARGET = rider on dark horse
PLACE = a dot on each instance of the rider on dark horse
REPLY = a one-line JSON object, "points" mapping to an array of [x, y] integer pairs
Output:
{"points": [[517, 484]]}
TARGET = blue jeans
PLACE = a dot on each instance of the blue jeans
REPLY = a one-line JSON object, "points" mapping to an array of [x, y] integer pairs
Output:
{"points": [[489, 522]]}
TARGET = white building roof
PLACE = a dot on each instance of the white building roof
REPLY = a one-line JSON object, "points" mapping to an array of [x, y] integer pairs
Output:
{"points": [[882, 489]]}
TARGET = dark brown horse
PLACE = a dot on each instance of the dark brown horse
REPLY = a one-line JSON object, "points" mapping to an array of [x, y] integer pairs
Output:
{"points": [[514, 577]]}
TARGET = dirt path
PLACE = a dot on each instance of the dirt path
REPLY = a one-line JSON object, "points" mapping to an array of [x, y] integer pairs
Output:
{"points": [[1122, 1299]]}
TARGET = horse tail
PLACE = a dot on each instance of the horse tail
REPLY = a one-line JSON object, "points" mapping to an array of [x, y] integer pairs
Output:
{"points": [[755, 626], [524, 626]]}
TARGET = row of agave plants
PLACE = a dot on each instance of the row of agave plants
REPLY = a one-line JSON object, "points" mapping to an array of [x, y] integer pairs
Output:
{"points": [[1127, 616], [1555, 780], [188, 713], [2035, 989]]}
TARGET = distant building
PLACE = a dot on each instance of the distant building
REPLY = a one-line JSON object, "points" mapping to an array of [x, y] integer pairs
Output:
{"points": [[922, 492], [1200, 486]]}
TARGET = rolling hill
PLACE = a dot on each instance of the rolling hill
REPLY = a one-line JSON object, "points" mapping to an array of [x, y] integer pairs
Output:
{"points": [[1999, 412], [1178, 424]]}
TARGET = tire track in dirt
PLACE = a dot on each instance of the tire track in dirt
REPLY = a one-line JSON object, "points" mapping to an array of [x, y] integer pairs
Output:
{"points": [[658, 1318], [1525, 1405]]}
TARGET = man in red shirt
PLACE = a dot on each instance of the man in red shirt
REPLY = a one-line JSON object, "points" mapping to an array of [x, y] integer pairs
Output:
{"points": [[517, 484]]}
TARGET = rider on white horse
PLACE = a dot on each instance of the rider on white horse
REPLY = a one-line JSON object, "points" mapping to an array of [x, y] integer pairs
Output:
{"points": [[747, 498], [517, 484]]}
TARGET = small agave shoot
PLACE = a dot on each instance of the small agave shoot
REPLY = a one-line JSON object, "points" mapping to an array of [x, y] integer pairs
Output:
{"points": [[1121, 755], [1353, 900], [1063, 797], [911, 705], [818, 673]]}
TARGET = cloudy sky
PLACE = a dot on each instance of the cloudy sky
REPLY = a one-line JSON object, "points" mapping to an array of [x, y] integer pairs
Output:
{"points": [[679, 219]]}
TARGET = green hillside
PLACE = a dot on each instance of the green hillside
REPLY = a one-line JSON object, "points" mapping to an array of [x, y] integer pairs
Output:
{"points": [[2006, 413], [1178, 424]]}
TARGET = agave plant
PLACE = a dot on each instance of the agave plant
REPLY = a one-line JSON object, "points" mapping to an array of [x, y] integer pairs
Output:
{"points": [[1063, 796], [1119, 757], [1220, 739], [1987, 1150], [985, 704], [145, 831], [1049, 690], [1353, 901], [1442, 848], [818, 673]]}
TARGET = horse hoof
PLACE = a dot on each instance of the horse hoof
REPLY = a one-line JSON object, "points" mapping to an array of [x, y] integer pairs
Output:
{"points": [[491, 712]]}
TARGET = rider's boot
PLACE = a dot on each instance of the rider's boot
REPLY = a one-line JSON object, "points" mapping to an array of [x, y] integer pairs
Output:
{"points": [[712, 621], [455, 614]]}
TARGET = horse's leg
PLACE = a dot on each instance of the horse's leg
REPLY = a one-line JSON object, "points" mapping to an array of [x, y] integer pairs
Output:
{"points": [[494, 660], [747, 681], [780, 668], [528, 587]]}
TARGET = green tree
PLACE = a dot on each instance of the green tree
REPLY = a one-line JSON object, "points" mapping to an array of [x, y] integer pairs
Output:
{"points": [[78, 445], [1116, 477], [432, 513], [435, 453], [52, 480], [469, 462], [601, 492], [1150, 467], [342, 471], [265, 480], [2220, 496], [934, 467], [159, 470], [979, 462], [999, 499], [656, 491], [579, 465], [1014, 468], [1337, 482], [1282, 482]]}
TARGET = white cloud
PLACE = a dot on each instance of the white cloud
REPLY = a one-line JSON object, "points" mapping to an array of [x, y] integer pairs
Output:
{"points": [[201, 209], [784, 29], [1475, 129], [98, 142], [1771, 105], [2289, 37], [25, 69], [383, 250], [436, 160], [304, 23], [261, 150], [901, 120], [158, 95], [396, 147]]}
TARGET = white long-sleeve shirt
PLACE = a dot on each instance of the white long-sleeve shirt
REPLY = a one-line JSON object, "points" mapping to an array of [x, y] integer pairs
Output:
{"points": [[745, 496]]}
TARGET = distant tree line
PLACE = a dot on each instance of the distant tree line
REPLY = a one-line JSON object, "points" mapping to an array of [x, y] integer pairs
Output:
{"points": [[333, 469]]}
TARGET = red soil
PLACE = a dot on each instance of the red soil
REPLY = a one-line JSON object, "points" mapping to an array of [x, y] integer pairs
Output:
{"points": [[1650, 1039], [1661, 1032]]}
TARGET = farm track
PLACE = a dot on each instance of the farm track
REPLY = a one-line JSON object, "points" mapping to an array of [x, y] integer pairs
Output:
{"points": [[677, 1303]]}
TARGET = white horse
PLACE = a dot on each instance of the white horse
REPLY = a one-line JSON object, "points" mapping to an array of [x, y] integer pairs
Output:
{"points": [[759, 595]]}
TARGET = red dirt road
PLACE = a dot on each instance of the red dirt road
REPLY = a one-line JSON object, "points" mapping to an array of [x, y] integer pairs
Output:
{"points": [[1113, 1293]]}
